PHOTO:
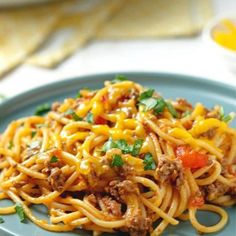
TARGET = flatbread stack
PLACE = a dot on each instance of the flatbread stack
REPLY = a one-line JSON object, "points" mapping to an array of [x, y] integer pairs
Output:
{"points": [[47, 34]]}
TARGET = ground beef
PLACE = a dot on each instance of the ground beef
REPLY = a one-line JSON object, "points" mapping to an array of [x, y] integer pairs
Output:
{"points": [[138, 225], [184, 102], [215, 190], [210, 133], [92, 199], [170, 170], [57, 179], [110, 206], [119, 189]]}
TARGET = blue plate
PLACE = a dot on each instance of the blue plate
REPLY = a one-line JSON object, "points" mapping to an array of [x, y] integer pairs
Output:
{"points": [[170, 85]]}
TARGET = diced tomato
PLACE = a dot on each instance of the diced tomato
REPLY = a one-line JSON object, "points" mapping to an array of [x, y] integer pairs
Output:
{"points": [[57, 153], [190, 158], [99, 120], [196, 201], [104, 98]]}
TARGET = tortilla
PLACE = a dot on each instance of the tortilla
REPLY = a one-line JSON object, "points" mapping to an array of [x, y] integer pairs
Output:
{"points": [[22, 30], [74, 30], [157, 18]]}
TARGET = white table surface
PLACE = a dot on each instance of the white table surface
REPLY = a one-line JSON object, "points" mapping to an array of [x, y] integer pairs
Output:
{"points": [[184, 55]]}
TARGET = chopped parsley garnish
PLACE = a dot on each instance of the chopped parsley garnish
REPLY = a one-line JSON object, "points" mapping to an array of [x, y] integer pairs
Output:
{"points": [[78, 95], [90, 118], [186, 113], [42, 109], [11, 144], [75, 117], [147, 94], [117, 161], [158, 105], [149, 163], [109, 145], [137, 147], [20, 212], [1, 220], [33, 133], [171, 109], [226, 118], [54, 159], [124, 146], [118, 79]]}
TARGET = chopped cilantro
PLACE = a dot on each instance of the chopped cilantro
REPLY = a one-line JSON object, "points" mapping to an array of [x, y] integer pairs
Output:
{"points": [[73, 114], [11, 144], [1, 220], [78, 95], [147, 94], [90, 118], [54, 159], [42, 109], [149, 103], [137, 147], [123, 146], [148, 161], [228, 117], [109, 145], [171, 109], [33, 133], [20, 212], [118, 79], [186, 113], [222, 112], [160, 105], [117, 161]]}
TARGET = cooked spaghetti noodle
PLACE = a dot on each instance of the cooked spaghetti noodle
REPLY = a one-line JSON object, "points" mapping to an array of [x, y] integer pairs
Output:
{"points": [[121, 158]]}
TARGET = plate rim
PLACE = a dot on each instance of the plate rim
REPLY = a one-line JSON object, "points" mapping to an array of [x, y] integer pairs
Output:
{"points": [[166, 75]]}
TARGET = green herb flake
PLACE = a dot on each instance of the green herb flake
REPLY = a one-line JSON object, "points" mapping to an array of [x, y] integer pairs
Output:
{"points": [[75, 117], [137, 147], [119, 78], [54, 159], [1, 220], [221, 112], [109, 145], [229, 117], [78, 95], [149, 103], [117, 161], [123, 146], [33, 133], [42, 109], [11, 144], [20, 212], [147, 94], [148, 162], [171, 109], [90, 118], [186, 113], [160, 106]]}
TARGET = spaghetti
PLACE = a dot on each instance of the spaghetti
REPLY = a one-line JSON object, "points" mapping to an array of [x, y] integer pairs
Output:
{"points": [[120, 159]]}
